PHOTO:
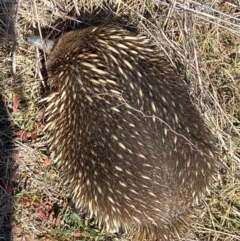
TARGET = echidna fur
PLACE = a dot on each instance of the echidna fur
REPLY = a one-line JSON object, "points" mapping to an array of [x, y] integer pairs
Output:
{"points": [[124, 131]]}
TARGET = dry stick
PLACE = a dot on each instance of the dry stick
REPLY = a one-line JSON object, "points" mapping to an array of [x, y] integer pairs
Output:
{"points": [[196, 64], [219, 12], [220, 232], [15, 43], [76, 7], [170, 12], [199, 76], [184, 7], [217, 19], [184, 32], [229, 75], [37, 51]]}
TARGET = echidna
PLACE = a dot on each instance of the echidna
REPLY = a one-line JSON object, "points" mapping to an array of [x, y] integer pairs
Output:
{"points": [[123, 128]]}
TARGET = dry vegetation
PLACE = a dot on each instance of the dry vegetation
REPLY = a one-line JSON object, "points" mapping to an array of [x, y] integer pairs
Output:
{"points": [[35, 204]]}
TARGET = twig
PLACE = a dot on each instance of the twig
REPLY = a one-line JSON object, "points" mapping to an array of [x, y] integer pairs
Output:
{"points": [[15, 43]]}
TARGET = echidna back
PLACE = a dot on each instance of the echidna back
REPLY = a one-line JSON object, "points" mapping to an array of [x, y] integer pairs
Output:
{"points": [[123, 128]]}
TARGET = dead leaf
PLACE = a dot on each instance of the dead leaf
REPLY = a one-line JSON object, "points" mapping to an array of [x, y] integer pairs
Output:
{"points": [[34, 136], [46, 162], [15, 103], [77, 234], [42, 214]]}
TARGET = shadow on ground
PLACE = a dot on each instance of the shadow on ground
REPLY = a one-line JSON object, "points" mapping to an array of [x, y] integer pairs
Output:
{"points": [[6, 171], [7, 11]]}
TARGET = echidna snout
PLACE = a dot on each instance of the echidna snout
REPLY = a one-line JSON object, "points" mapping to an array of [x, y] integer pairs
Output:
{"points": [[125, 133]]}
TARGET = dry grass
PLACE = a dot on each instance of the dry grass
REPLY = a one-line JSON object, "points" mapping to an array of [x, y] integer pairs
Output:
{"points": [[204, 47]]}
